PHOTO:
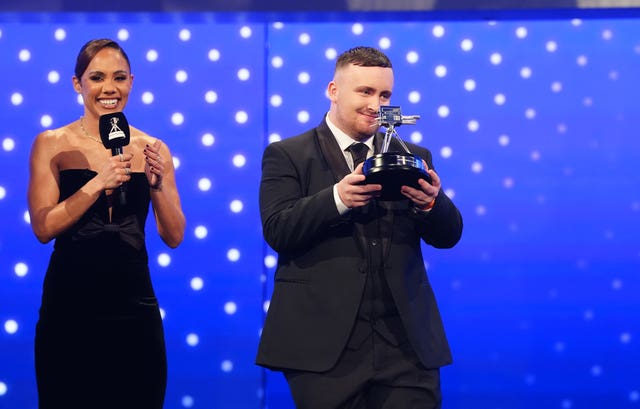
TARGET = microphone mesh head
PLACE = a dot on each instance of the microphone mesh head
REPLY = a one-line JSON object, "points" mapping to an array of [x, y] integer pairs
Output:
{"points": [[114, 130]]}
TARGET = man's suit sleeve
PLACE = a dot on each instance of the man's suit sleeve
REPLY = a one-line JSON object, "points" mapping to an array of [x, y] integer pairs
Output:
{"points": [[292, 216]]}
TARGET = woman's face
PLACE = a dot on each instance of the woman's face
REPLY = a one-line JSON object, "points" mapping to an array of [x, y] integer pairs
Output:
{"points": [[105, 84]]}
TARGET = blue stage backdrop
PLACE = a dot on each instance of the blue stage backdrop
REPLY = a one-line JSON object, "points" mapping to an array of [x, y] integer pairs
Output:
{"points": [[533, 125]]}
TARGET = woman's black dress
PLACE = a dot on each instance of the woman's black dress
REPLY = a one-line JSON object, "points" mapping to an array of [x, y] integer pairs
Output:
{"points": [[99, 339]]}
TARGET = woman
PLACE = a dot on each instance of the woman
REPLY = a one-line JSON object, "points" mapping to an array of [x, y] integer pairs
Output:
{"points": [[99, 338]]}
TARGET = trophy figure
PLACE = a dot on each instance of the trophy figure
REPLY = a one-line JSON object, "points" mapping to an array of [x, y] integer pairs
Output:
{"points": [[393, 169]]}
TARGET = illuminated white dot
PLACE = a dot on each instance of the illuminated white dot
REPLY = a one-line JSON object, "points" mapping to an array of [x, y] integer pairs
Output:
{"points": [[556, 86], [525, 72], [25, 216], [495, 58], [270, 261], [275, 100], [582, 60], [60, 34], [274, 137], [616, 284], [473, 125], [3, 386], [196, 283], [164, 259], [416, 137], [470, 85], [192, 339], [8, 144], [559, 346], [278, 25], [551, 46], [625, 337], [230, 308], [303, 117], [147, 97], [24, 55], [181, 76], [236, 206], [476, 167], [16, 98], [187, 401], [384, 43], [204, 184], [239, 160], [277, 62], [414, 97], [330, 53], [265, 305], [123, 35], [304, 78], [152, 55], [503, 140], [634, 396], [562, 128], [211, 97], [466, 45], [176, 162], [53, 77], [226, 366], [21, 269], [437, 31], [184, 35], [208, 139], [200, 232], [508, 183], [304, 38], [530, 113], [233, 255], [357, 29], [607, 34], [11, 326], [596, 370], [446, 152], [521, 32], [535, 156], [3, 193], [177, 118], [46, 121], [499, 99], [440, 71], [588, 315], [163, 313], [245, 32], [214, 55], [243, 74], [481, 210], [412, 57], [242, 117]]}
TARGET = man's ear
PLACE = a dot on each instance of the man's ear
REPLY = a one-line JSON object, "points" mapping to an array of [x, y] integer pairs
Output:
{"points": [[332, 91]]}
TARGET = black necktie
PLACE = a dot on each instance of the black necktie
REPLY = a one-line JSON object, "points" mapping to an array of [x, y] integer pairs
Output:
{"points": [[358, 153]]}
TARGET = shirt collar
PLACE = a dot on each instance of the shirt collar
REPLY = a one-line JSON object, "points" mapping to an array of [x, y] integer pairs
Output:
{"points": [[344, 140]]}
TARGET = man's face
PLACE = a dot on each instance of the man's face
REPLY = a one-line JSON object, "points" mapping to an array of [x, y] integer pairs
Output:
{"points": [[356, 94]]}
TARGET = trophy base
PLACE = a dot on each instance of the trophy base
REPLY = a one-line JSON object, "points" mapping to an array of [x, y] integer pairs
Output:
{"points": [[394, 170]]}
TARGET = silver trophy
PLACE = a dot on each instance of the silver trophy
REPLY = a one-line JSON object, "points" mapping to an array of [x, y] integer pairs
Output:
{"points": [[393, 169]]}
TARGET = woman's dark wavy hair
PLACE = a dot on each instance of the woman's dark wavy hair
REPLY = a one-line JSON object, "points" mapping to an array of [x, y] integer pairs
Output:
{"points": [[93, 47]]}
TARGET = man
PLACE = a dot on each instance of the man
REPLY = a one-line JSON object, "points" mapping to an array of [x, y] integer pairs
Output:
{"points": [[353, 322]]}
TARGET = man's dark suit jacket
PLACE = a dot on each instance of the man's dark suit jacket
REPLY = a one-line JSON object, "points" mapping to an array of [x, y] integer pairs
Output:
{"points": [[320, 275]]}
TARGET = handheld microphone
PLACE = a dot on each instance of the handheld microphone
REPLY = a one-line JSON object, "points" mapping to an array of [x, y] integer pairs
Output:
{"points": [[115, 133]]}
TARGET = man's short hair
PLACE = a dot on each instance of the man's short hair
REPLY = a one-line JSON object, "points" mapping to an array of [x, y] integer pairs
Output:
{"points": [[363, 57]]}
